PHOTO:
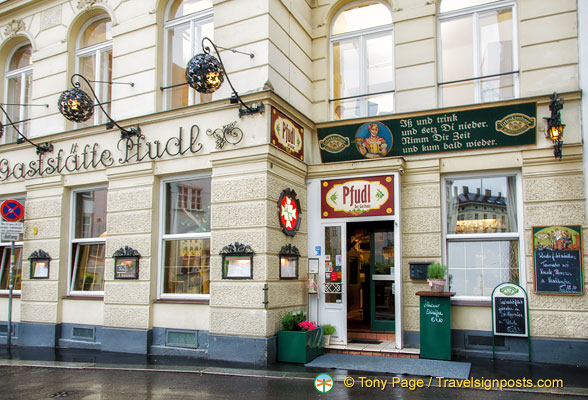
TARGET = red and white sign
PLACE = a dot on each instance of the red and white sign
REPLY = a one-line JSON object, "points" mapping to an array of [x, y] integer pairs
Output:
{"points": [[289, 212], [11, 210], [364, 197]]}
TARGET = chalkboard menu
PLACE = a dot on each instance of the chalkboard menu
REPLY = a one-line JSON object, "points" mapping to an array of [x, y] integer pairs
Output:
{"points": [[509, 310], [557, 256]]}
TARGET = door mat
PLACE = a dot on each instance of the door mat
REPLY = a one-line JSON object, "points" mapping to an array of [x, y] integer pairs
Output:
{"points": [[393, 365], [365, 341]]}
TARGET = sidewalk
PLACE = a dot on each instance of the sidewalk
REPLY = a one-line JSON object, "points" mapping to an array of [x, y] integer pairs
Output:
{"points": [[574, 379]]}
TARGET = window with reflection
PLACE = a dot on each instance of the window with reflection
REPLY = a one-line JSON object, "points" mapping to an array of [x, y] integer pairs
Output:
{"points": [[482, 235], [477, 51], [362, 59], [18, 79], [186, 238], [94, 61], [187, 22], [88, 241]]}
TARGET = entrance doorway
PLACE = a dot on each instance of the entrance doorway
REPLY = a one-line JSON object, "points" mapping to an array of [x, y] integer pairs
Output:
{"points": [[370, 276]]}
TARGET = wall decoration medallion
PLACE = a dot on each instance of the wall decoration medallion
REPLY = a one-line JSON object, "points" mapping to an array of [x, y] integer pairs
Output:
{"points": [[289, 212]]}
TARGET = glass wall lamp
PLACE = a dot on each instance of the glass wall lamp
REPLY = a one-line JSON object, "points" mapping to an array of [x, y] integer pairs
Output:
{"points": [[555, 128], [41, 148], [77, 106], [206, 73]]}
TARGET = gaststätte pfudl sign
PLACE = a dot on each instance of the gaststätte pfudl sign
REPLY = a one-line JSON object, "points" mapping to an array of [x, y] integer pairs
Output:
{"points": [[354, 197], [483, 128]]}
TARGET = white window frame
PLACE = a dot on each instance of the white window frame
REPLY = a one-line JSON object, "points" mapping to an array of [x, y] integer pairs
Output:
{"points": [[519, 234], [196, 20], [73, 258], [23, 73], [475, 12], [96, 50], [183, 236], [362, 35]]}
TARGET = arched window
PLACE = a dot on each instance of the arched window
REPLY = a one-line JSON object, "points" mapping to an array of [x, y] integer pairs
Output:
{"points": [[18, 83], [187, 22], [94, 61], [362, 62], [477, 51]]}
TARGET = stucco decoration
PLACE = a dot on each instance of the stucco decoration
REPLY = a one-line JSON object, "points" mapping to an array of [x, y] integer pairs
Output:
{"points": [[87, 4], [13, 27]]}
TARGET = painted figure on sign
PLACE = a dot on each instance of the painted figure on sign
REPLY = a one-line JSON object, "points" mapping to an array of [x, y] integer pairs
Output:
{"points": [[373, 140]]}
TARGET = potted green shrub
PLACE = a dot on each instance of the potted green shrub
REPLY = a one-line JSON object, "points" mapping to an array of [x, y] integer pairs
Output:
{"points": [[301, 340], [436, 276], [328, 330]]}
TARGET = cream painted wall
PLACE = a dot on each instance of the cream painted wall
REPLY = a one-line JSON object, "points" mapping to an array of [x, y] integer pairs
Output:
{"points": [[90, 312]]}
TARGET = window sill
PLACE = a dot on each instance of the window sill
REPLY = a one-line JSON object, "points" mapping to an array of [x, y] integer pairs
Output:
{"points": [[182, 301], [77, 297], [14, 295], [474, 303]]}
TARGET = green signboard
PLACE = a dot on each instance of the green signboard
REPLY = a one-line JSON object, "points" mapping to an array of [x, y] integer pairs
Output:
{"points": [[486, 128]]}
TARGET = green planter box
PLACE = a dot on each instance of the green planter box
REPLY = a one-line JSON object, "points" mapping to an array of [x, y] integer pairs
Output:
{"points": [[300, 347]]}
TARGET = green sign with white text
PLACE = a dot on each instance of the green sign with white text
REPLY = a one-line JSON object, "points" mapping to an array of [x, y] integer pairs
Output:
{"points": [[486, 128]]}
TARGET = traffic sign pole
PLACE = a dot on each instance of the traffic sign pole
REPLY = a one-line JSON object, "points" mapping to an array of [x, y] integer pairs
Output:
{"points": [[11, 211], [10, 287]]}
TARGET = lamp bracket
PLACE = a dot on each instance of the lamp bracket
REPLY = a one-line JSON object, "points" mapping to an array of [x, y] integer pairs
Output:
{"points": [[124, 133], [244, 109], [41, 149]]}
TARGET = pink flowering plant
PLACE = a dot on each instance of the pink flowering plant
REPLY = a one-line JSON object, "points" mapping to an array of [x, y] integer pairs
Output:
{"points": [[307, 326]]}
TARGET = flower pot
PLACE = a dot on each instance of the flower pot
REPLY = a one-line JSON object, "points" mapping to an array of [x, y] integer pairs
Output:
{"points": [[299, 346], [327, 340], [436, 285]]}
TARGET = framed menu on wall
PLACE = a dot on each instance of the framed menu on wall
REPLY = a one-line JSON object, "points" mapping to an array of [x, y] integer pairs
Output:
{"points": [[557, 259]]}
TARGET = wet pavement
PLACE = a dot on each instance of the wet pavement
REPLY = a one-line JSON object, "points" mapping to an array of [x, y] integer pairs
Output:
{"points": [[38, 373]]}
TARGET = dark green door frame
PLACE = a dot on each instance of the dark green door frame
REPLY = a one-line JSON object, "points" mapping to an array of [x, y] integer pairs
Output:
{"points": [[380, 324]]}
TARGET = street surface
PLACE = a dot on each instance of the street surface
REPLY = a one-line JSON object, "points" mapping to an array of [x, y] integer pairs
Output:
{"points": [[31, 383]]}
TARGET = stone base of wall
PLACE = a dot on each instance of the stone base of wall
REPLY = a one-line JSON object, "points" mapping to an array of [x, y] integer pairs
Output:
{"points": [[478, 344], [32, 334], [261, 351]]}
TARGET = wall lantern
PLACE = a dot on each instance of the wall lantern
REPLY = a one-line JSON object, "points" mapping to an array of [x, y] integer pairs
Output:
{"points": [[237, 261], [555, 128], [39, 261], [41, 148], [126, 263], [289, 256], [206, 73], [77, 106]]}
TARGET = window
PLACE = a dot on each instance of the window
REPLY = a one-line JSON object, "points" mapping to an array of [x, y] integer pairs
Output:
{"points": [[18, 84], [362, 62], [482, 252], [88, 240], [478, 51], [94, 61], [186, 238], [187, 22]]}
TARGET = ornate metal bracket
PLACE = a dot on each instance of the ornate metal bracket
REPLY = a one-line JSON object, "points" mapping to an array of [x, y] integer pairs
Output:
{"points": [[39, 254], [237, 248], [289, 250], [229, 133], [126, 252]]}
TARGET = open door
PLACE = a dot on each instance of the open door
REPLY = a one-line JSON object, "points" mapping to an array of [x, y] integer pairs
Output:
{"points": [[382, 290], [333, 276]]}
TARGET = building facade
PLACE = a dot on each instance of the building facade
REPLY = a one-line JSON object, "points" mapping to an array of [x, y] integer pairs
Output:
{"points": [[373, 136]]}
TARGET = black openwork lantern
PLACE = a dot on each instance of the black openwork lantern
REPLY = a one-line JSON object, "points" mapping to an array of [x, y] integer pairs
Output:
{"points": [[75, 105], [204, 73]]}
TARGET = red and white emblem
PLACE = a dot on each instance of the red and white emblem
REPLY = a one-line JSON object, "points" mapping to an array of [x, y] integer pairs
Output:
{"points": [[289, 212]]}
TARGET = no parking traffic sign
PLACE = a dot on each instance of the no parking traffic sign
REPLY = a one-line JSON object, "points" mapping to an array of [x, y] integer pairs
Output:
{"points": [[11, 210], [10, 227]]}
